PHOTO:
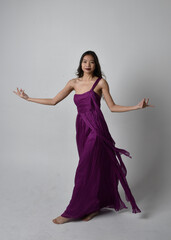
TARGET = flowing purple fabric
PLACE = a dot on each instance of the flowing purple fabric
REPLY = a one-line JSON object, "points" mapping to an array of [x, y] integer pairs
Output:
{"points": [[100, 166]]}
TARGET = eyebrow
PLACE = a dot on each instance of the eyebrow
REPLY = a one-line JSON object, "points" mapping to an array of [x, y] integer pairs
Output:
{"points": [[86, 60]]}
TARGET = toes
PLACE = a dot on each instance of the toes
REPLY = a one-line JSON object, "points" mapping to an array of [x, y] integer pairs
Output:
{"points": [[89, 217], [86, 219], [60, 220], [55, 221]]}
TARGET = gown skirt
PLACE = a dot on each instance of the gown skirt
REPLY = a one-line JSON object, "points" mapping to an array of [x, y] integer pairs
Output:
{"points": [[100, 166]]}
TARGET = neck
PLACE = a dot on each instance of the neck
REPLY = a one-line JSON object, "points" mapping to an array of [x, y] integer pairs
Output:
{"points": [[87, 77]]}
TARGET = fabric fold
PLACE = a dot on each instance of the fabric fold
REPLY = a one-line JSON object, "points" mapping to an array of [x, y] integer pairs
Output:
{"points": [[100, 167]]}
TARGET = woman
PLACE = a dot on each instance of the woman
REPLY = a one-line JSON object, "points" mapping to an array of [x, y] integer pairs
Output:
{"points": [[100, 166]]}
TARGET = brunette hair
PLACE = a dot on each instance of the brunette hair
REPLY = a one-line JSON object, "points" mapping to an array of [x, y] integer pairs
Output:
{"points": [[97, 72]]}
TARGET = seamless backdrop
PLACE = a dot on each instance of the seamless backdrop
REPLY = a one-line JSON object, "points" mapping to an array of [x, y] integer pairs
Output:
{"points": [[41, 44]]}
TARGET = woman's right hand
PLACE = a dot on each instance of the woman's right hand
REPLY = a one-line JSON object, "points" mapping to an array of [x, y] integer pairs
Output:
{"points": [[21, 94]]}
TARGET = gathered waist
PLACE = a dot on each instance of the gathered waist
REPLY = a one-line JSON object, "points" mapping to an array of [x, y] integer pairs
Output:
{"points": [[84, 109]]}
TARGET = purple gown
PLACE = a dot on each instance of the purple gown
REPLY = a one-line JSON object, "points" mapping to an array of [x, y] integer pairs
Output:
{"points": [[100, 166]]}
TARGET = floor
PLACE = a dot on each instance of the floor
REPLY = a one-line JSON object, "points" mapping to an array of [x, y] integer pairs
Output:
{"points": [[32, 197]]}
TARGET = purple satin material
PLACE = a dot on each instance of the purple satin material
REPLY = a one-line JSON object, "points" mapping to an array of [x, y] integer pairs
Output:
{"points": [[100, 166]]}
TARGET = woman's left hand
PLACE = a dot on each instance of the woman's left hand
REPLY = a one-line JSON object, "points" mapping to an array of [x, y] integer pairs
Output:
{"points": [[144, 103]]}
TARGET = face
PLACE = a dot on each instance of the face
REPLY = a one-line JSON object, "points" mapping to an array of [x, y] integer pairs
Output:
{"points": [[88, 64]]}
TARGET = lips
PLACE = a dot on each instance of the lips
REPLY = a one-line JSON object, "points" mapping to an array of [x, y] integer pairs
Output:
{"points": [[88, 68]]}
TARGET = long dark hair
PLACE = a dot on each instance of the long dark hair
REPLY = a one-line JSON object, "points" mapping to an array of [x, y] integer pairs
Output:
{"points": [[97, 72]]}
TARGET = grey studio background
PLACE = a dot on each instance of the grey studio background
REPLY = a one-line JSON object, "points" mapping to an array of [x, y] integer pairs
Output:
{"points": [[41, 45]]}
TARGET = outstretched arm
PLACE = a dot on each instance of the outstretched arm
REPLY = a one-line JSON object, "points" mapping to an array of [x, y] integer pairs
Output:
{"points": [[48, 101], [118, 108]]}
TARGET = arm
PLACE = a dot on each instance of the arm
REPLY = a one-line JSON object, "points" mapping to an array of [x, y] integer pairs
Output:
{"points": [[118, 108], [48, 101]]}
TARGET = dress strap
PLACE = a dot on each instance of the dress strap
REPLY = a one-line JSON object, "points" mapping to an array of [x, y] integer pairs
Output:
{"points": [[96, 82]]}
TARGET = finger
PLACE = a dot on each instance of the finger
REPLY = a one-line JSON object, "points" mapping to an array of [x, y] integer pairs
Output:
{"points": [[18, 92], [151, 106], [144, 102]]}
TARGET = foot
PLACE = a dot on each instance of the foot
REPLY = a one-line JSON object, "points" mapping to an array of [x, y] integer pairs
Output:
{"points": [[90, 216], [61, 220]]}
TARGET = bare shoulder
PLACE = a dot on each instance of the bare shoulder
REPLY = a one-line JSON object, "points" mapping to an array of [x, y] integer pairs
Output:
{"points": [[71, 83], [103, 83], [74, 82]]}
